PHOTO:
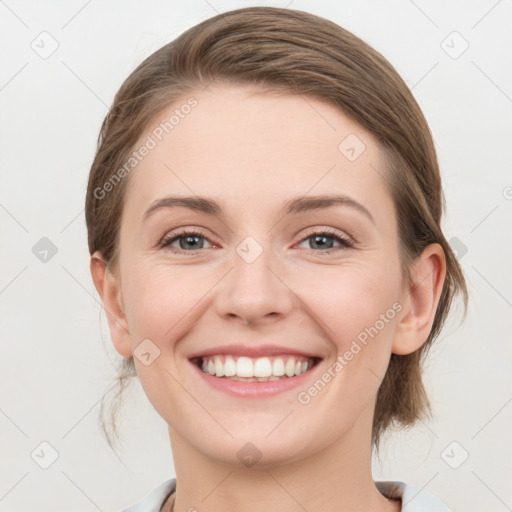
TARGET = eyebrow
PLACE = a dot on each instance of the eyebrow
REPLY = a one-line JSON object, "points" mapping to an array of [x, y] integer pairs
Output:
{"points": [[295, 205]]}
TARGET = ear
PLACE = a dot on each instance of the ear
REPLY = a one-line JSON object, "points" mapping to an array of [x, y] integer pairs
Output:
{"points": [[108, 287], [420, 300]]}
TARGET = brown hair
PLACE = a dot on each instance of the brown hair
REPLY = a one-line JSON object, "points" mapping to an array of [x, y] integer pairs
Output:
{"points": [[300, 53]]}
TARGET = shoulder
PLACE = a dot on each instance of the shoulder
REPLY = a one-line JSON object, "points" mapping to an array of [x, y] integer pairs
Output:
{"points": [[153, 500], [414, 499]]}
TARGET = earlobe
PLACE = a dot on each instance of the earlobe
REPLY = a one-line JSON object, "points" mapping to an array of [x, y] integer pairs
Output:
{"points": [[420, 300], [109, 290]]}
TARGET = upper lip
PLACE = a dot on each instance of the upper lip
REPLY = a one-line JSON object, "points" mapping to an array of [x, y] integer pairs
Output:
{"points": [[254, 352]]}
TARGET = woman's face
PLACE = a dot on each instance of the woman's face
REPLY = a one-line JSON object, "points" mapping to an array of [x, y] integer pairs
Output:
{"points": [[256, 275]]}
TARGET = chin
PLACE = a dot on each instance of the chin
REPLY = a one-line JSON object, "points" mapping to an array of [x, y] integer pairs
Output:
{"points": [[254, 448]]}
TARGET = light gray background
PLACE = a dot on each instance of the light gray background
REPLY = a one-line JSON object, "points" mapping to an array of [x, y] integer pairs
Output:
{"points": [[56, 352]]}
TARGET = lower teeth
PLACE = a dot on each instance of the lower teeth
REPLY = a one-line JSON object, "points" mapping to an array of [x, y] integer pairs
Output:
{"points": [[256, 379], [252, 379]]}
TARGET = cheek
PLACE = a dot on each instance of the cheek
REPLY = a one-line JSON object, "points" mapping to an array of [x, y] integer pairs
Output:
{"points": [[358, 310], [159, 299], [349, 300]]}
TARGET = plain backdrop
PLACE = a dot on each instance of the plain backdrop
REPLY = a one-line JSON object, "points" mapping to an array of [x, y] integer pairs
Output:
{"points": [[62, 63]]}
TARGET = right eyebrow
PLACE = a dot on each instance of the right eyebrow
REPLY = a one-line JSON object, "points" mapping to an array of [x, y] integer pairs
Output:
{"points": [[200, 204]]}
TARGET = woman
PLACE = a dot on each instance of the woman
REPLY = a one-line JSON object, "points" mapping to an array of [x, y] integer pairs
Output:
{"points": [[263, 216]]}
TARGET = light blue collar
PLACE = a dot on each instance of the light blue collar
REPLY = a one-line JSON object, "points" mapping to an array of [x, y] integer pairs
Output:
{"points": [[413, 498]]}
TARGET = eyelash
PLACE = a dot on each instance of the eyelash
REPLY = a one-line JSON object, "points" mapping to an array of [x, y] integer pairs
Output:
{"points": [[345, 242]]}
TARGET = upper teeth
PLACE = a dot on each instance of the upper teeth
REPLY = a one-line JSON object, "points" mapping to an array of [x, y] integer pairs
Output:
{"points": [[229, 366]]}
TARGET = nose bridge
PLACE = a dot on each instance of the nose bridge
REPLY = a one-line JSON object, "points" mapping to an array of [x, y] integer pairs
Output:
{"points": [[252, 290], [252, 263]]}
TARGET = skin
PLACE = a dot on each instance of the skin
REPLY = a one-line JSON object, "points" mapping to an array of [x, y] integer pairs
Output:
{"points": [[251, 152]]}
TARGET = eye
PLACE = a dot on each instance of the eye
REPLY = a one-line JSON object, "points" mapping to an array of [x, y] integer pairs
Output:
{"points": [[187, 239], [322, 241]]}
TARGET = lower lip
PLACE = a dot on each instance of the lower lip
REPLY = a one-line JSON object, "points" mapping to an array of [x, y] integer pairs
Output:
{"points": [[254, 389]]}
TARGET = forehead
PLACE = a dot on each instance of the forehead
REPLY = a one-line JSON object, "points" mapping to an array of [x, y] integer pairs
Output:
{"points": [[256, 149]]}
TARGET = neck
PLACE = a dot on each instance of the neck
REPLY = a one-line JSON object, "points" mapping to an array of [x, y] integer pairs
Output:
{"points": [[336, 479]]}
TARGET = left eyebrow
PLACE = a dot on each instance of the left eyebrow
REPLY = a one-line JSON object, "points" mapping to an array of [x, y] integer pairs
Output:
{"points": [[308, 203], [295, 205]]}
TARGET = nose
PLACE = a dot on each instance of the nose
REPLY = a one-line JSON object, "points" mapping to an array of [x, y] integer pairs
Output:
{"points": [[254, 292]]}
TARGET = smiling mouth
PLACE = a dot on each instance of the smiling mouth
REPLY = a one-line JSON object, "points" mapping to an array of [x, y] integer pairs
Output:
{"points": [[261, 369]]}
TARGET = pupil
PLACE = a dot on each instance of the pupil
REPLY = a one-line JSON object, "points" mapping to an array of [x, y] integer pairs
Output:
{"points": [[190, 239], [322, 240]]}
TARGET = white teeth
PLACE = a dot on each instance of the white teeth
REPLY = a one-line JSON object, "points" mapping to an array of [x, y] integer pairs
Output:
{"points": [[262, 367], [259, 369], [278, 367], [290, 367], [229, 367], [244, 367], [219, 367]]}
